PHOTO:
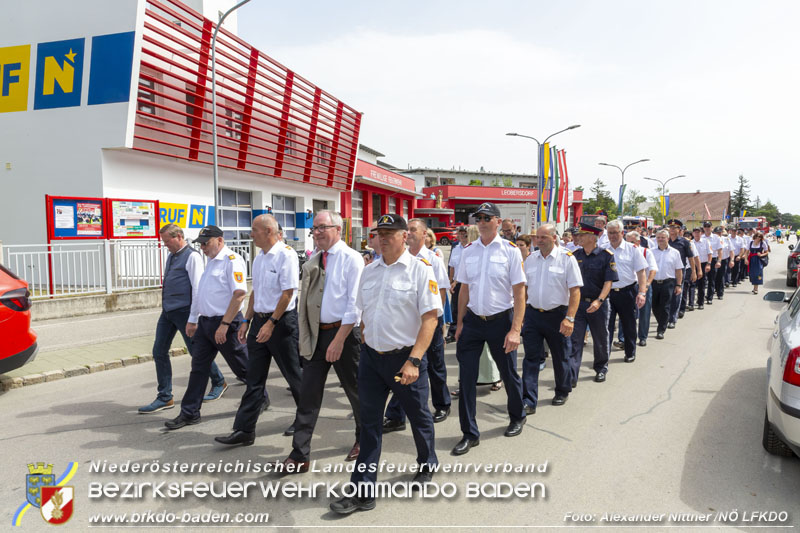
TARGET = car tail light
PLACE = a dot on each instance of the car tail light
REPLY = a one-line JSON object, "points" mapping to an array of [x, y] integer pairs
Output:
{"points": [[791, 373], [17, 300]]}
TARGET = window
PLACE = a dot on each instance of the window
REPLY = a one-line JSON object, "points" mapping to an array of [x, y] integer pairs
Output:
{"points": [[431, 182], [527, 185], [191, 98], [146, 88], [290, 143], [233, 124], [392, 205], [405, 209], [322, 152], [447, 181], [235, 214], [283, 209], [357, 211]]}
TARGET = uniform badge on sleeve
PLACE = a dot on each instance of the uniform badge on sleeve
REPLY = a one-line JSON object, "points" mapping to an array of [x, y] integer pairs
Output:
{"points": [[238, 276], [434, 287]]}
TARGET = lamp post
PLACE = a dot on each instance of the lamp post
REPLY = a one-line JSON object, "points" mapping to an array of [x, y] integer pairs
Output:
{"points": [[664, 187], [215, 162], [538, 144], [622, 170]]}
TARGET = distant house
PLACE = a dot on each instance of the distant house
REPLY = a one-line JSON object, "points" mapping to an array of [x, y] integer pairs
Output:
{"points": [[690, 207]]}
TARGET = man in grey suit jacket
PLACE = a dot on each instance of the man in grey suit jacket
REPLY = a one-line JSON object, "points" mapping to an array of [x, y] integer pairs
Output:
{"points": [[328, 319]]}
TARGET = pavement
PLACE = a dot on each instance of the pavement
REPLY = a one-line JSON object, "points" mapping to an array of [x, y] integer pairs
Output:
{"points": [[675, 435]]}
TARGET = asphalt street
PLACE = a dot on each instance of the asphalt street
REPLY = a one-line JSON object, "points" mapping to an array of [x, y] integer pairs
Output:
{"points": [[678, 432]]}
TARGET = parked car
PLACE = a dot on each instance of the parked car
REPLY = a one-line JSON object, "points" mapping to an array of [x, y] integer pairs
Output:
{"points": [[792, 264], [445, 236], [18, 346], [782, 417]]}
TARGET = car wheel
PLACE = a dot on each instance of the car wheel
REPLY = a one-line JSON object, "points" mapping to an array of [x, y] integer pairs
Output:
{"points": [[772, 443], [444, 241], [791, 281]]}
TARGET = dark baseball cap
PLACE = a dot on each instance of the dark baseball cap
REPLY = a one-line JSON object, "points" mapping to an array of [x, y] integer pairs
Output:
{"points": [[487, 208], [390, 221], [207, 233], [707, 224], [718, 229], [698, 229]]}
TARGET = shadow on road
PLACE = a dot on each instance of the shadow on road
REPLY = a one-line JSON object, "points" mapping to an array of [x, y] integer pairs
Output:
{"points": [[725, 461]]}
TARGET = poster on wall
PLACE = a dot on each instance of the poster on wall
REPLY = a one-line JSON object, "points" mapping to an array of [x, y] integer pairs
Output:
{"points": [[65, 216], [133, 219], [90, 219]]}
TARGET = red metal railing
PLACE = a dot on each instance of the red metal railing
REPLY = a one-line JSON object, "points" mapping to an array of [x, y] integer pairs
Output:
{"points": [[270, 121]]}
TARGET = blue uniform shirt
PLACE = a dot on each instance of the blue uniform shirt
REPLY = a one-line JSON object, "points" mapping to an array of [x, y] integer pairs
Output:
{"points": [[596, 268]]}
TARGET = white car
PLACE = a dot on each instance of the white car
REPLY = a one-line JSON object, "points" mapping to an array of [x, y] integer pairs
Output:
{"points": [[782, 419]]}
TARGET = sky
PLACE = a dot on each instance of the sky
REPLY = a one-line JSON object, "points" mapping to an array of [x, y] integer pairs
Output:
{"points": [[706, 88]]}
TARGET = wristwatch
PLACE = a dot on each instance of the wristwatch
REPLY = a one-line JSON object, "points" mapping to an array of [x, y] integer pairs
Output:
{"points": [[570, 318], [225, 323], [273, 320], [601, 300], [416, 361]]}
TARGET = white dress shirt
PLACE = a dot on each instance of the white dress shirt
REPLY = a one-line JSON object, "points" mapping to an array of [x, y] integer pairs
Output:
{"points": [[274, 272], [602, 241], [550, 278], [223, 275], [393, 298], [455, 256], [715, 243], [703, 248], [629, 260], [342, 274], [737, 243], [668, 261], [571, 246], [439, 270], [694, 249], [194, 268], [727, 247], [652, 266], [491, 272]]}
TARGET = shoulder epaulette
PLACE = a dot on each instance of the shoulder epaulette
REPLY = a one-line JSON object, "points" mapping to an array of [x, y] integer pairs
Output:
{"points": [[231, 257], [425, 261], [289, 247], [568, 252], [609, 251], [512, 244]]}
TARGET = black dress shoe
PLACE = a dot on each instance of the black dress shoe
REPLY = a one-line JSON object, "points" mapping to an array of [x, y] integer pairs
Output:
{"points": [[530, 409], [630, 358], [659, 335], [439, 415], [574, 383], [700, 307], [514, 428], [289, 431], [689, 308], [449, 339], [719, 297], [238, 437], [671, 325], [264, 406], [464, 445], [643, 342], [709, 302], [289, 466], [422, 477], [390, 425], [180, 421], [348, 505], [560, 399], [619, 344], [681, 314], [600, 377]]}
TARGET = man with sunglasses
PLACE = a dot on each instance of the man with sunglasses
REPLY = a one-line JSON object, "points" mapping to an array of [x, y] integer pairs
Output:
{"points": [[214, 319], [491, 305]]}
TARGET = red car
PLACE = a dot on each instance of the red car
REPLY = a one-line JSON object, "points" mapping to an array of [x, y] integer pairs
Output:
{"points": [[19, 340], [445, 236]]}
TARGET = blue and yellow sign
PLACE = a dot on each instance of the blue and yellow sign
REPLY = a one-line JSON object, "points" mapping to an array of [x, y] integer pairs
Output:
{"points": [[59, 73], [185, 215]]}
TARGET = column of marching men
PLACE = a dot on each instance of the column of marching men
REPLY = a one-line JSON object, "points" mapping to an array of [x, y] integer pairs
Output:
{"points": [[380, 326]]}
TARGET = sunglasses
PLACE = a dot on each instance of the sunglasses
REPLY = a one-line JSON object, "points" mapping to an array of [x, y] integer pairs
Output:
{"points": [[483, 218]]}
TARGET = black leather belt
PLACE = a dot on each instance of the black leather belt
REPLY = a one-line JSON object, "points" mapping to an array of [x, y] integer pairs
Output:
{"points": [[489, 318], [660, 281], [590, 300], [263, 315], [625, 288], [560, 308], [331, 325], [398, 351]]}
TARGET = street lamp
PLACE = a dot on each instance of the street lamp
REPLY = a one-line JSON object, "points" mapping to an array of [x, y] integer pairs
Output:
{"points": [[664, 187], [622, 170], [538, 144], [215, 163]]}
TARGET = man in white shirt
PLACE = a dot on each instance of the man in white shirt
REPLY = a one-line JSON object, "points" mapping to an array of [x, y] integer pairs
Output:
{"points": [[602, 241], [737, 243], [643, 314], [437, 371], [724, 261], [629, 292], [214, 319], [273, 335], [668, 280], [455, 258], [328, 333], [400, 302], [554, 281], [491, 305]]}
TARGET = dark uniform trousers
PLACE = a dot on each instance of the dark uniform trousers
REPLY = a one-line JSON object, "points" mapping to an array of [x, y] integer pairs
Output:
{"points": [[711, 280], [540, 326], [719, 280], [474, 334], [315, 373], [437, 372], [281, 346], [688, 286], [679, 300], [454, 310], [701, 284], [597, 323], [736, 272], [662, 302], [376, 374], [204, 350], [623, 303]]}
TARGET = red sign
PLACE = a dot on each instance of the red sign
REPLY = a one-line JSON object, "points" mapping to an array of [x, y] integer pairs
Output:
{"points": [[471, 192], [376, 173]]}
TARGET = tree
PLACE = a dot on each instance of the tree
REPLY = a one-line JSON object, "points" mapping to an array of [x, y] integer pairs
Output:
{"points": [[770, 211], [476, 182], [757, 205], [632, 201], [740, 199], [601, 199]]}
